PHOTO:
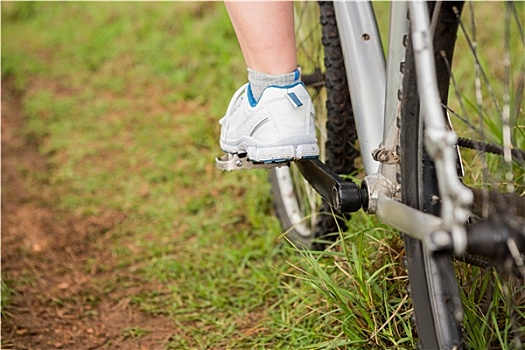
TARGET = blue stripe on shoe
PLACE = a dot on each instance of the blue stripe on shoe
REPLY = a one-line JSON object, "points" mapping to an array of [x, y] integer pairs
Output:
{"points": [[253, 102], [251, 98], [296, 101], [278, 160]]}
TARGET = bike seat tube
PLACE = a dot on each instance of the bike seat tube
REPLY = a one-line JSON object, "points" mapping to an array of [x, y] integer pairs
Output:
{"points": [[366, 71]]}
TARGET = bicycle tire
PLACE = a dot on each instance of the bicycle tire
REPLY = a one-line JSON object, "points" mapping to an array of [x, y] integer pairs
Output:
{"points": [[316, 230], [436, 326], [435, 287]]}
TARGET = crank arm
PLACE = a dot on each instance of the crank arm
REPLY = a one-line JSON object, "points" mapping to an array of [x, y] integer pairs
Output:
{"points": [[343, 196]]}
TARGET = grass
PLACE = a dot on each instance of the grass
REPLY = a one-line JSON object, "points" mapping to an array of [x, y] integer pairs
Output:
{"points": [[483, 107], [124, 100]]}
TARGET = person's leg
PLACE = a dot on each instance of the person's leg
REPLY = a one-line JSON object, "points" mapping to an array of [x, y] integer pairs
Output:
{"points": [[271, 119], [266, 35], [265, 31]]}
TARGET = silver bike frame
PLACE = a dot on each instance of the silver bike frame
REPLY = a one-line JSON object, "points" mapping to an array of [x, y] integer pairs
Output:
{"points": [[374, 87]]}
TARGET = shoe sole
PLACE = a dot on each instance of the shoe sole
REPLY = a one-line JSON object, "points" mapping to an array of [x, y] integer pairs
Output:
{"points": [[282, 154]]}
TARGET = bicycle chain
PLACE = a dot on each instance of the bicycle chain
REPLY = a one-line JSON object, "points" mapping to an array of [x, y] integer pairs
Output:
{"points": [[491, 148]]}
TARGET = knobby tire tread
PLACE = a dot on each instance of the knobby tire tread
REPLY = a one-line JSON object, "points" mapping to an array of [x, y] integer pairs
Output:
{"points": [[341, 150]]}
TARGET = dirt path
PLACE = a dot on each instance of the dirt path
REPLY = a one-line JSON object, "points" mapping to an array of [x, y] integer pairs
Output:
{"points": [[62, 297]]}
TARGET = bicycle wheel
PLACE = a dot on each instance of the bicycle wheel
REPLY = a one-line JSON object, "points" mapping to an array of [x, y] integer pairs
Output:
{"points": [[488, 62], [307, 219]]}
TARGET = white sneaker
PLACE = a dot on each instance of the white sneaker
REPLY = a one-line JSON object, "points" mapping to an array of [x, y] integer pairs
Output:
{"points": [[279, 127]]}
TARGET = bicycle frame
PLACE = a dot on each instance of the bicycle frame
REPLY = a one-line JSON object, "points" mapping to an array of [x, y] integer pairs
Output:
{"points": [[374, 87], [375, 92]]}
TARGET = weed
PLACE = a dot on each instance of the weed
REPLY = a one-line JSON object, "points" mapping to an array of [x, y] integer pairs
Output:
{"points": [[134, 332], [6, 296]]}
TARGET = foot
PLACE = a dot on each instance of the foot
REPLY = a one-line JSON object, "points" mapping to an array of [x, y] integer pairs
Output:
{"points": [[277, 128]]}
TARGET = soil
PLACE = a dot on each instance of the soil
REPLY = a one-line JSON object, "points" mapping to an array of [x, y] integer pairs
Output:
{"points": [[55, 301]]}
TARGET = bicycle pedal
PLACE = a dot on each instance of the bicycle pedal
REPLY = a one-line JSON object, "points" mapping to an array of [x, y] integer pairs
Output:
{"points": [[231, 162]]}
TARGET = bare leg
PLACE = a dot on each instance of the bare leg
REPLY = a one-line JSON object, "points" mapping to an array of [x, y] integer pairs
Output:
{"points": [[270, 119], [265, 31]]}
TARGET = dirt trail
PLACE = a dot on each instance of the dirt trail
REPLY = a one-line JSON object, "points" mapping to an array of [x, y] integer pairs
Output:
{"points": [[52, 262]]}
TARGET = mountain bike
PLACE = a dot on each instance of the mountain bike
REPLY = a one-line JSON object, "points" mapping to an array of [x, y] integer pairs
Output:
{"points": [[436, 129]]}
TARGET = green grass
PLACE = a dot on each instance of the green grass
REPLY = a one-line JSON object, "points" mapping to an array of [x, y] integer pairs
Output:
{"points": [[483, 107], [124, 100]]}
